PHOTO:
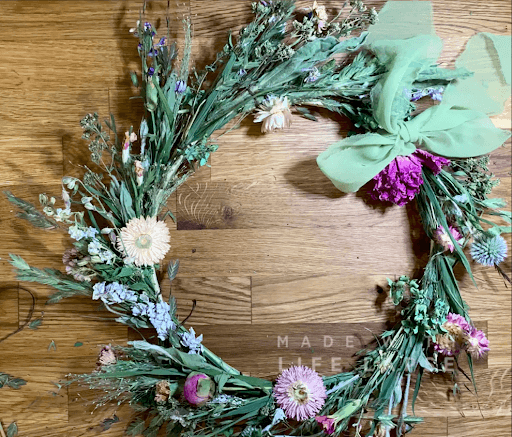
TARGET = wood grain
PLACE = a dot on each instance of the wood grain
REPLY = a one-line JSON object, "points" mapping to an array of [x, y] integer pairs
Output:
{"points": [[268, 247]]}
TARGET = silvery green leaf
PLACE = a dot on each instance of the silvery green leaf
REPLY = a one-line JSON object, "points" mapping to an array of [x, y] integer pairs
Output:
{"points": [[136, 427], [35, 324], [126, 202], [12, 430], [172, 269]]}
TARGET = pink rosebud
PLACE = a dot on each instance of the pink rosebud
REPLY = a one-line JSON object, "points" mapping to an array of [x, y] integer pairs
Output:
{"points": [[198, 389], [328, 423]]}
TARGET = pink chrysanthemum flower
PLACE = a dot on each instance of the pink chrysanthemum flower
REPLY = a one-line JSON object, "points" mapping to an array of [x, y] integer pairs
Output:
{"points": [[328, 423], [400, 181], [457, 326], [458, 329], [443, 239], [447, 346], [300, 392], [477, 344]]}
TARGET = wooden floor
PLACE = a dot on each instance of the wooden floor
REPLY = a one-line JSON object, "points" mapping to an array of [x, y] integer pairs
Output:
{"points": [[280, 263]]}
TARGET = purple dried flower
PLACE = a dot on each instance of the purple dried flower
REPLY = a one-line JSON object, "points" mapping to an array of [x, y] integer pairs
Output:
{"points": [[161, 43], [180, 87], [151, 71], [415, 96], [477, 344], [328, 423], [400, 181], [300, 392], [436, 94], [456, 325], [443, 239]]}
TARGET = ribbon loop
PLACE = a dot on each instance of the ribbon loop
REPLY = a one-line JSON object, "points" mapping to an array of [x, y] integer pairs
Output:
{"points": [[408, 132], [452, 129]]}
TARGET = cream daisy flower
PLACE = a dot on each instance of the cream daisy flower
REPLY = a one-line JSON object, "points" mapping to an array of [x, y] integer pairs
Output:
{"points": [[145, 240], [274, 114]]}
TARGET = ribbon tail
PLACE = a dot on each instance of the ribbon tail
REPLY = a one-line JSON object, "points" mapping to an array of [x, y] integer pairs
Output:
{"points": [[459, 133]]}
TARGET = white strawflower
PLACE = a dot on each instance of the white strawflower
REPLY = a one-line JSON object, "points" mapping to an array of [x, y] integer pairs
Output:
{"points": [[145, 240], [319, 11], [275, 113]]}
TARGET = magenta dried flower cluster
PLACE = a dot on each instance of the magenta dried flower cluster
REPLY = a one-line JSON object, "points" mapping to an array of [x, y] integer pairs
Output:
{"points": [[400, 181]]}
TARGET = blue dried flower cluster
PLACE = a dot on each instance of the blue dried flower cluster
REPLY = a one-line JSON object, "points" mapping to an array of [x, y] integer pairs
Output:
{"points": [[95, 248], [188, 339], [113, 293], [158, 314], [489, 250], [434, 93], [78, 233]]}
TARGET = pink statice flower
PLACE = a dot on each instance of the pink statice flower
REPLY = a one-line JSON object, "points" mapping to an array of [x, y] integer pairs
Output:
{"points": [[400, 181], [477, 344], [300, 392], [328, 423], [443, 239]]}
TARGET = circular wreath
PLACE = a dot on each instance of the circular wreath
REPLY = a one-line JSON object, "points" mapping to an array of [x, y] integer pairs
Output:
{"points": [[121, 237]]}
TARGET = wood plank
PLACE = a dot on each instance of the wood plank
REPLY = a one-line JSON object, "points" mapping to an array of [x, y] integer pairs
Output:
{"points": [[9, 316], [499, 426], [436, 395], [220, 300], [69, 20], [254, 205], [42, 160], [235, 252]]}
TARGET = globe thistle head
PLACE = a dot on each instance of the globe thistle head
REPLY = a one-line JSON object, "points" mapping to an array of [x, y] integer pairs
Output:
{"points": [[489, 250]]}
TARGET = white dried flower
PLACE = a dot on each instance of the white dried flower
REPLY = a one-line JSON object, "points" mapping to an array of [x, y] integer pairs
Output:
{"points": [[146, 240], [319, 11], [274, 114], [139, 172]]}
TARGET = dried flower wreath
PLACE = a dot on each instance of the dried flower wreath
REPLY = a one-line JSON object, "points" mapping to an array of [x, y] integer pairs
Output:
{"points": [[121, 237]]}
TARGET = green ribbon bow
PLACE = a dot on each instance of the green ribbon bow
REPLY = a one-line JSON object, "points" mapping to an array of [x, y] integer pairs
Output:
{"points": [[449, 129]]}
